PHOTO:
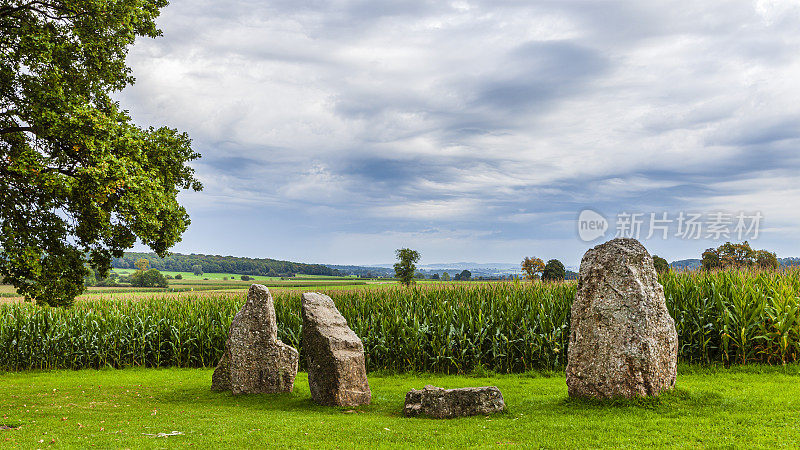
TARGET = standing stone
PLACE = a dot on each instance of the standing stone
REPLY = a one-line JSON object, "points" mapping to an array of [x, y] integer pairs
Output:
{"points": [[622, 340], [337, 374], [442, 403], [255, 361]]}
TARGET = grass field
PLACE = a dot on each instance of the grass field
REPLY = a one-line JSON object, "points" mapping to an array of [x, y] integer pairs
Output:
{"points": [[193, 285], [189, 276], [752, 407]]}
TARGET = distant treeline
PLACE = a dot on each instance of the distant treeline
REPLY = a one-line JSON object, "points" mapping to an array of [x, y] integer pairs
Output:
{"points": [[362, 271], [177, 262]]}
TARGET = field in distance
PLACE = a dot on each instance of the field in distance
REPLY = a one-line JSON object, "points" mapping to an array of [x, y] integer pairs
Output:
{"points": [[192, 285], [189, 276]]}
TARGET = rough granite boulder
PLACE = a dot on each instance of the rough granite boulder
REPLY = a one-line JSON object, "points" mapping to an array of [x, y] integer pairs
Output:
{"points": [[442, 403], [622, 341], [337, 374], [255, 361]]}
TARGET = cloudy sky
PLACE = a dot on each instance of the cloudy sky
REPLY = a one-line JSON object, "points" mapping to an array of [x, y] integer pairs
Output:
{"points": [[338, 131]]}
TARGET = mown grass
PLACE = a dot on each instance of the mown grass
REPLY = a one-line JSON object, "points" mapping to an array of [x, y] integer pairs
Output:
{"points": [[714, 407]]}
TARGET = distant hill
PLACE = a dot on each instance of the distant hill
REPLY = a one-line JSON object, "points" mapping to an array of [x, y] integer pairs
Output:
{"points": [[685, 264], [786, 262], [570, 275], [691, 264], [363, 271], [477, 269], [224, 264]]}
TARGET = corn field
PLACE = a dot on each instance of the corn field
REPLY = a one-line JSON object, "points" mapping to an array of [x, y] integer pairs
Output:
{"points": [[732, 317]]}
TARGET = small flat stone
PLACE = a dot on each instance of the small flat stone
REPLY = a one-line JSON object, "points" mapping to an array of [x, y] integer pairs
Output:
{"points": [[443, 403]]}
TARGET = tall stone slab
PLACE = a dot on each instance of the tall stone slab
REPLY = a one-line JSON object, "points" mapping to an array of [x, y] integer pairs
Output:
{"points": [[622, 341], [337, 373], [255, 361]]}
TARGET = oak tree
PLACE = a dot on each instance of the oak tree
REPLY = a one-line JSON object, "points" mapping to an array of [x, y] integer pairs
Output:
{"points": [[531, 267], [79, 181]]}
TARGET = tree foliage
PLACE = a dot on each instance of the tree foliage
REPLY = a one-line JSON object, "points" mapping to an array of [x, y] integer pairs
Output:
{"points": [[729, 255], [79, 181], [177, 262], [661, 264], [405, 267], [531, 267], [142, 264], [554, 271], [148, 278], [465, 275]]}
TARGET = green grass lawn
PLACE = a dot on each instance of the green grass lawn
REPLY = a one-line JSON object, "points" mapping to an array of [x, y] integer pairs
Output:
{"points": [[748, 407]]}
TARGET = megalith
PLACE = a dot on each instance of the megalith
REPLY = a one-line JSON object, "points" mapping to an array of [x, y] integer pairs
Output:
{"points": [[622, 340], [255, 361], [337, 372]]}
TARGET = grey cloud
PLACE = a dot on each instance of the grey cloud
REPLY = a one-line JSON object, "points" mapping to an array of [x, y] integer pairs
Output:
{"points": [[331, 109]]}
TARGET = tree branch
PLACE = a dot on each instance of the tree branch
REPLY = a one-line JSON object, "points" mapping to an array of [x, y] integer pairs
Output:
{"points": [[15, 130]]}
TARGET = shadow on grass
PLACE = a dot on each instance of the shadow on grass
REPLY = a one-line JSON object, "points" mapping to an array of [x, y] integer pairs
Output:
{"points": [[293, 401], [675, 398]]}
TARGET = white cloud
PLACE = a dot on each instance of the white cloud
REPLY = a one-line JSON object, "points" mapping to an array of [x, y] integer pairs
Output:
{"points": [[476, 114]]}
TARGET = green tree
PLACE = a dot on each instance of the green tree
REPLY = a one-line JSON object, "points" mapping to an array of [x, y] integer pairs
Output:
{"points": [[148, 278], [90, 279], [142, 264], [661, 264], [531, 267], [445, 276], [435, 276], [197, 269], [79, 181], [405, 267], [465, 275], [710, 260], [730, 255], [766, 260], [554, 271]]}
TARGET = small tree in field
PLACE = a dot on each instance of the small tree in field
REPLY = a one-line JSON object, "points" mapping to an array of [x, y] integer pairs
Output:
{"points": [[661, 264], [445, 276], [737, 256], [465, 275], [766, 260], [531, 267], [148, 278], [197, 269], [404, 269], [554, 271]]}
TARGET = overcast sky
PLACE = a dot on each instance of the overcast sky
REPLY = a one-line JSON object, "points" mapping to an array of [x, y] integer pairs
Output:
{"points": [[336, 132]]}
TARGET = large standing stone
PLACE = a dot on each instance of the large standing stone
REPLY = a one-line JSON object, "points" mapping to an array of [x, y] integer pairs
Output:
{"points": [[335, 355], [255, 361], [622, 341], [442, 403]]}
